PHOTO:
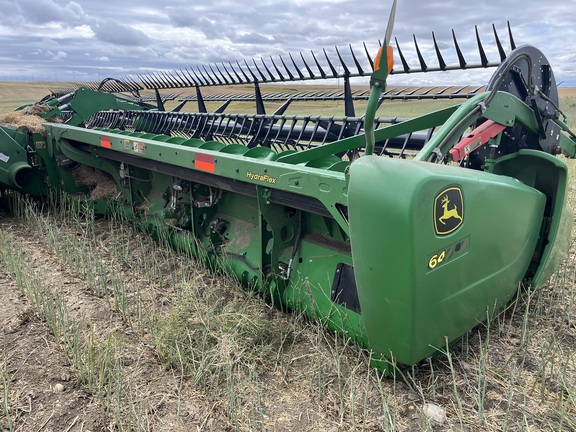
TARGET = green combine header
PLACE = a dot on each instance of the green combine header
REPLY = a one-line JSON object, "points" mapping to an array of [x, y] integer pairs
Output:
{"points": [[401, 234]]}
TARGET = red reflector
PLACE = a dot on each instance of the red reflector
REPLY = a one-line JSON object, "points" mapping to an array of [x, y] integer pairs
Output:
{"points": [[204, 162], [105, 142]]}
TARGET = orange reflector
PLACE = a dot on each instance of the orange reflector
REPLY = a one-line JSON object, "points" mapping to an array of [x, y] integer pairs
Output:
{"points": [[204, 162], [105, 141], [377, 59], [389, 58]]}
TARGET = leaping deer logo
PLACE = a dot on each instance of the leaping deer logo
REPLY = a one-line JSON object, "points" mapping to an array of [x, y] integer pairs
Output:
{"points": [[448, 210], [448, 213]]}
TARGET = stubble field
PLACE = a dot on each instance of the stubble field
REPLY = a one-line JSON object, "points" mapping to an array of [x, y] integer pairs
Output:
{"points": [[105, 330]]}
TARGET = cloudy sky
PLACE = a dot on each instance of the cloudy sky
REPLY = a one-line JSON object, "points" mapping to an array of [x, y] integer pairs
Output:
{"points": [[88, 40]]}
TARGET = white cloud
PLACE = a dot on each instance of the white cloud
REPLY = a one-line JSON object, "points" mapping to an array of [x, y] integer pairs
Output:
{"points": [[48, 11], [56, 56], [254, 38], [152, 35], [109, 30]]}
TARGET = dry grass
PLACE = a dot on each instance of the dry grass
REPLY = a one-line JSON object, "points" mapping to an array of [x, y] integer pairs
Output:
{"points": [[21, 119], [101, 184]]}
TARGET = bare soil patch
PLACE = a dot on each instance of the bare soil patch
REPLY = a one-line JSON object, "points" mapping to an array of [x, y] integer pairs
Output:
{"points": [[45, 391], [41, 387]]}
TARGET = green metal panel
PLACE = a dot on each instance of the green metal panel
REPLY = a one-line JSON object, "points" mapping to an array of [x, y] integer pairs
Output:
{"points": [[428, 271], [549, 175]]}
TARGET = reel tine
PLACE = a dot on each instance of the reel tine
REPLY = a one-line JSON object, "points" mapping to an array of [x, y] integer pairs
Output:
{"points": [[441, 61], [184, 78], [158, 81], [244, 73], [307, 67], [483, 58], [279, 70], [356, 62], [163, 78], [207, 76], [222, 75], [276, 69], [272, 77], [147, 79], [215, 75], [128, 85], [423, 65], [143, 80], [285, 68], [235, 73], [368, 55], [189, 75], [200, 77], [322, 73], [512, 44], [167, 79], [200, 80], [298, 71], [344, 67], [259, 71], [330, 65], [137, 86], [461, 59], [254, 78], [173, 80], [131, 84], [498, 44], [405, 64]]}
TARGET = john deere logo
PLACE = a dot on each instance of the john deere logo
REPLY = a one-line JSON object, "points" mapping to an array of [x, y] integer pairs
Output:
{"points": [[448, 210]]}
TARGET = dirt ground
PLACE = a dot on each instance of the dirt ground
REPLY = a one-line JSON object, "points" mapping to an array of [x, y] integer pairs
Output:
{"points": [[43, 385]]}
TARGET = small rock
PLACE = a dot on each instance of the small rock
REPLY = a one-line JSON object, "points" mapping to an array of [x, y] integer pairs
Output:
{"points": [[434, 412], [58, 388]]}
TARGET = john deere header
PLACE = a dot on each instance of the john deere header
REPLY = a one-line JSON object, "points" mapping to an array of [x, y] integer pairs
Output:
{"points": [[399, 233]]}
